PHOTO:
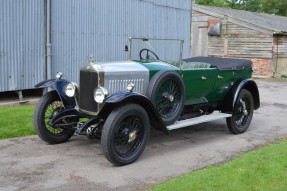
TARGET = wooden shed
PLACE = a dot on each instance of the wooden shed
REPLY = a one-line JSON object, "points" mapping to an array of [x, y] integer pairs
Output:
{"points": [[223, 32]]}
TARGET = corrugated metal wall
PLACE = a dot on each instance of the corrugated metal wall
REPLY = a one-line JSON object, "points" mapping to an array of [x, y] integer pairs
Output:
{"points": [[78, 28], [22, 50], [102, 28]]}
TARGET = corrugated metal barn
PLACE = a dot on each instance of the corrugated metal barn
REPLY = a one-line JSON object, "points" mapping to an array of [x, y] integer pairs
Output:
{"points": [[242, 34], [40, 37]]}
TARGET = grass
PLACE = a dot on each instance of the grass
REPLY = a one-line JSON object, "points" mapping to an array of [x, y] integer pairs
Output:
{"points": [[16, 121], [263, 169]]}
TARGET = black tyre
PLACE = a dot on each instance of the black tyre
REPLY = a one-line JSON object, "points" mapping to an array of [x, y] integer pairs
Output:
{"points": [[125, 134], [166, 92], [47, 107], [242, 114]]}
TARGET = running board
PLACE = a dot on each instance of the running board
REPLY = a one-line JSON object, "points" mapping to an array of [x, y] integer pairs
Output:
{"points": [[197, 120]]}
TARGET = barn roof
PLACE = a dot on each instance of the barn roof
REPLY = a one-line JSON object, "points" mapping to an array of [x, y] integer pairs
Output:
{"points": [[274, 23]]}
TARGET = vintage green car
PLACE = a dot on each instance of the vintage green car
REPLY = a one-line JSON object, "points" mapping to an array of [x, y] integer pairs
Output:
{"points": [[118, 102]]}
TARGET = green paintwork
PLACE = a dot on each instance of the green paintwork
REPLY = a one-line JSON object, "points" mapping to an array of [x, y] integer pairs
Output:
{"points": [[210, 85], [155, 66], [202, 85], [198, 84], [224, 81]]}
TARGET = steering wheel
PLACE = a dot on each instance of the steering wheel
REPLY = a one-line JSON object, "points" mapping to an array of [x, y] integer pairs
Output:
{"points": [[147, 56]]}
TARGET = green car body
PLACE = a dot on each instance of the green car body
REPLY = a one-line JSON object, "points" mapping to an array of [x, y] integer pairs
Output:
{"points": [[202, 85], [120, 101]]}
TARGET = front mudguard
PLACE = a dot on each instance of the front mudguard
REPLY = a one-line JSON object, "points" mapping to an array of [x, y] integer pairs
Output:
{"points": [[68, 113], [59, 87], [123, 98], [112, 102], [232, 95]]}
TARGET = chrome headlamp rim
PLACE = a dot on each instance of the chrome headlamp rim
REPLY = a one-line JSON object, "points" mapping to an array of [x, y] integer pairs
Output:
{"points": [[71, 89], [59, 75], [130, 86], [100, 93]]}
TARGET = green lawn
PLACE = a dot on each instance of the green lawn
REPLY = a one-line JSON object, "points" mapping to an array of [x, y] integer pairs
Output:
{"points": [[16, 121], [263, 169]]}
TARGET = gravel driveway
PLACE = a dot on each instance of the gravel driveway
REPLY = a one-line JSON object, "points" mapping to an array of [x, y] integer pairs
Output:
{"points": [[30, 164]]}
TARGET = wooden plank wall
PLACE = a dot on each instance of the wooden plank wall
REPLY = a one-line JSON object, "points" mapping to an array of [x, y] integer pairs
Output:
{"points": [[282, 46], [199, 39], [280, 59], [248, 43], [235, 40]]}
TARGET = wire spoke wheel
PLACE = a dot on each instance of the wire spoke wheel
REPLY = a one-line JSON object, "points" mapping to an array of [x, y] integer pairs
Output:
{"points": [[242, 111], [166, 92], [47, 108], [167, 98], [242, 114], [125, 134], [128, 136], [52, 110]]}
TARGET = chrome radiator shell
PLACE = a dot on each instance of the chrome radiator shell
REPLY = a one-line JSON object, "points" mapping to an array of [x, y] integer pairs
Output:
{"points": [[113, 76], [117, 75]]}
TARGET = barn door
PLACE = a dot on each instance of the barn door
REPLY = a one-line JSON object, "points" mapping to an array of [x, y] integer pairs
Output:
{"points": [[199, 39]]}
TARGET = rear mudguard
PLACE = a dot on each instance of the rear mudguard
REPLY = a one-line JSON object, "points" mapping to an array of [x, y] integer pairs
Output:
{"points": [[59, 87], [232, 95], [123, 98]]}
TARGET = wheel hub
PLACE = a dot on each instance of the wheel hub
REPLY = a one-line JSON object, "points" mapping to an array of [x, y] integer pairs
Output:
{"points": [[245, 112], [171, 98], [132, 136], [168, 96]]}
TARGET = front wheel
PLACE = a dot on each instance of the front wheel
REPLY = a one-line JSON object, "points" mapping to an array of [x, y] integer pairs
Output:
{"points": [[166, 92], [125, 134], [47, 107], [242, 114]]}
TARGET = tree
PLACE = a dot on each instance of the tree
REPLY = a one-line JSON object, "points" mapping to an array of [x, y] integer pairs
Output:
{"points": [[277, 7], [216, 3], [252, 5], [236, 4]]}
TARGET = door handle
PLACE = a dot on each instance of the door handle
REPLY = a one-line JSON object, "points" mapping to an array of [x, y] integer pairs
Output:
{"points": [[203, 77], [220, 77]]}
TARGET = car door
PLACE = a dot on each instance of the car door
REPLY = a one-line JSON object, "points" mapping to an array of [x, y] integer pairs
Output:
{"points": [[199, 84], [224, 80]]}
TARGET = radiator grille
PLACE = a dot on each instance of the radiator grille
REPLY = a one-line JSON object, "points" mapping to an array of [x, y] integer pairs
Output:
{"points": [[121, 85], [88, 83]]}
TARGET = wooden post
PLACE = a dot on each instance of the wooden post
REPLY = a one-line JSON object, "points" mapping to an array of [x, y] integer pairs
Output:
{"points": [[225, 46]]}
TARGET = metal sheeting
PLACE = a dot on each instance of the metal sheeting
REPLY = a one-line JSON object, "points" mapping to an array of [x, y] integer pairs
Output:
{"points": [[22, 50], [79, 28], [179, 4], [102, 28]]}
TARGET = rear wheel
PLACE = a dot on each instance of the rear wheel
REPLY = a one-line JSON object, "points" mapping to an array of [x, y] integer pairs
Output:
{"points": [[242, 114], [47, 107], [125, 134], [166, 92]]}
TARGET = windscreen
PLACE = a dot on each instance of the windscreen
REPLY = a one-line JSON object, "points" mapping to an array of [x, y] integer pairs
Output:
{"points": [[168, 50]]}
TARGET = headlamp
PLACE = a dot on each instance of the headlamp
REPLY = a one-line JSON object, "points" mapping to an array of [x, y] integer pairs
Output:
{"points": [[100, 94], [71, 89]]}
